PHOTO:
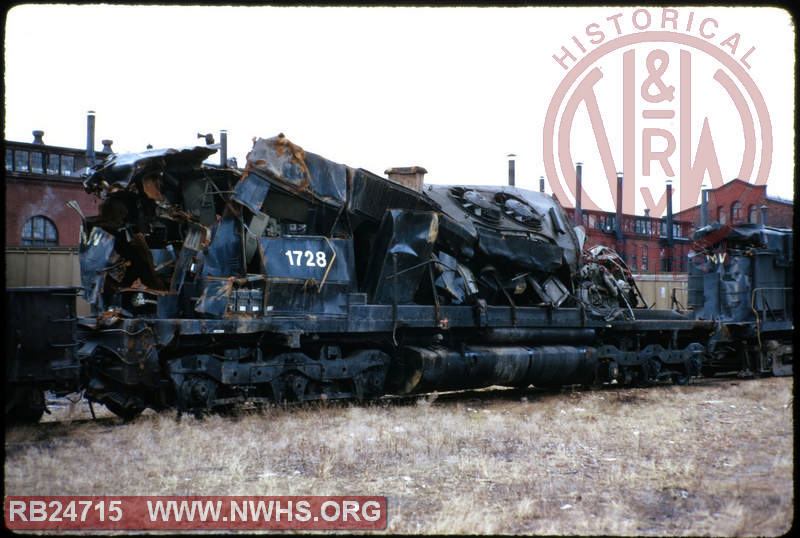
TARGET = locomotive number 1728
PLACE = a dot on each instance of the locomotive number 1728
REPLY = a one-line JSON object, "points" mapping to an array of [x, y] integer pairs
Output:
{"points": [[306, 257]]}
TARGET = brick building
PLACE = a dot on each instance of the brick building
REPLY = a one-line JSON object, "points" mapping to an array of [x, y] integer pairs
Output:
{"points": [[657, 249], [42, 231], [649, 245], [40, 180], [737, 202], [646, 244]]}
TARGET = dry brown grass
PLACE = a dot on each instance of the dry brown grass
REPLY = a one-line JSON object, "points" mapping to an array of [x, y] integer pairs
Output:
{"points": [[692, 460]]}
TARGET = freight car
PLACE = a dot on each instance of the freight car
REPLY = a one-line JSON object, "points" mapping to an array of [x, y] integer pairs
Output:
{"points": [[41, 349], [742, 279], [298, 278]]}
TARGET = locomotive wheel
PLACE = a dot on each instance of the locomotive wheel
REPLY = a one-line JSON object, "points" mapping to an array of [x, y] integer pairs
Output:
{"points": [[25, 405], [197, 393], [369, 383]]}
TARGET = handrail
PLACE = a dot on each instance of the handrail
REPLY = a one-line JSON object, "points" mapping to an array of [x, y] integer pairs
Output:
{"points": [[755, 311]]}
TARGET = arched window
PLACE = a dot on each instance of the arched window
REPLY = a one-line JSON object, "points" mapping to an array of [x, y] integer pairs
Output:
{"points": [[736, 213], [39, 231], [752, 214]]}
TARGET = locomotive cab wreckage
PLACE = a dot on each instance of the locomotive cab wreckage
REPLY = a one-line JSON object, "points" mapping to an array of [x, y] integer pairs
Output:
{"points": [[298, 278], [743, 279]]}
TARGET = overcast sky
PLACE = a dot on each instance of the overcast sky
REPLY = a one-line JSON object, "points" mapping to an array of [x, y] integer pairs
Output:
{"points": [[451, 89]]}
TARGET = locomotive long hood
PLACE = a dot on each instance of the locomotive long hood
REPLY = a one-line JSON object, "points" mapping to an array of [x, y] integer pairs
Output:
{"points": [[168, 219], [481, 219]]}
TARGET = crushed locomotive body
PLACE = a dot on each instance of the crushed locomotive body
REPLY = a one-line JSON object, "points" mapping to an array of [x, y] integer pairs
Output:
{"points": [[742, 279], [298, 278], [301, 278]]}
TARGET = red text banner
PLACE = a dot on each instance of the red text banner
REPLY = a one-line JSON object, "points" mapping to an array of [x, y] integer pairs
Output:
{"points": [[194, 512]]}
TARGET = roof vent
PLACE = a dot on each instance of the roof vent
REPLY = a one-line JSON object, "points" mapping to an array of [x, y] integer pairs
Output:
{"points": [[37, 137], [409, 176]]}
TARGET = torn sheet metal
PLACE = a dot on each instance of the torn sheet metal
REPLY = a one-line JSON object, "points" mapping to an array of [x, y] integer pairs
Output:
{"points": [[519, 252], [401, 255], [526, 229], [188, 264], [96, 256], [455, 281], [743, 236], [371, 196], [250, 191], [307, 171], [223, 255], [119, 170], [606, 281]]}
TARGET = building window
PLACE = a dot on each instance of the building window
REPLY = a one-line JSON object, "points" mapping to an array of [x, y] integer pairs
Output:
{"points": [[609, 223], [721, 217], [9, 160], [736, 213], [21, 161], [752, 214], [53, 163], [37, 162], [39, 231], [643, 226], [67, 165], [644, 257]]}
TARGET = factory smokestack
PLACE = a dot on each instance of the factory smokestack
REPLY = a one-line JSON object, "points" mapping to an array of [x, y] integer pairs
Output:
{"points": [[223, 149], [619, 208], [704, 207], [511, 170], [90, 138], [578, 190], [670, 237]]}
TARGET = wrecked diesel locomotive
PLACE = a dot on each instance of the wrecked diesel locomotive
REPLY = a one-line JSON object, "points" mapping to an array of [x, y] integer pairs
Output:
{"points": [[298, 278], [743, 279]]}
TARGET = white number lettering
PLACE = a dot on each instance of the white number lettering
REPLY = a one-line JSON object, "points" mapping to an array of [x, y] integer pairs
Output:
{"points": [[312, 259], [54, 516], [70, 512], [86, 506], [115, 506]]}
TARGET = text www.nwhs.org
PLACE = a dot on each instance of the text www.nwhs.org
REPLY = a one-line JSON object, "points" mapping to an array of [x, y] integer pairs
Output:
{"points": [[261, 510], [162, 512]]}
